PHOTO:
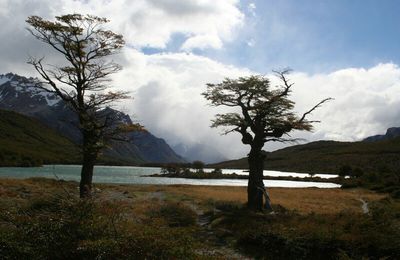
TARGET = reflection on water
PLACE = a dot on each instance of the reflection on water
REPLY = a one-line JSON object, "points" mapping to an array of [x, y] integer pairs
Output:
{"points": [[133, 175]]}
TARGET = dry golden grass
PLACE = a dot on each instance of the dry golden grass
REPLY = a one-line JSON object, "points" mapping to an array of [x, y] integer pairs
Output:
{"points": [[304, 200]]}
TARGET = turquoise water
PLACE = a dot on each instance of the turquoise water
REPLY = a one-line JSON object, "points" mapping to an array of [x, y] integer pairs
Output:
{"points": [[134, 175]]}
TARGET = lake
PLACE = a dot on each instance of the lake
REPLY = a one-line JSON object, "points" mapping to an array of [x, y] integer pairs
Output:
{"points": [[134, 175]]}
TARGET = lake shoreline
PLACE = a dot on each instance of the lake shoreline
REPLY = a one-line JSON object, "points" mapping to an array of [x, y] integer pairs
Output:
{"points": [[235, 176], [137, 175]]}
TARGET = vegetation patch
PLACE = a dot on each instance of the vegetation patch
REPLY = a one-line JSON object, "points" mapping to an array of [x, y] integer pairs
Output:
{"points": [[26, 142], [59, 227], [43, 219], [177, 214], [286, 234]]}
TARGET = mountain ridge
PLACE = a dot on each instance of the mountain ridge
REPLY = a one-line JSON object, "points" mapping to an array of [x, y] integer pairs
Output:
{"points": [[329, 157], [391, 133]]}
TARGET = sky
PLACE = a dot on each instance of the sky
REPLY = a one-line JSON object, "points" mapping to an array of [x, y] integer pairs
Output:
{"points": [[347, 50]]}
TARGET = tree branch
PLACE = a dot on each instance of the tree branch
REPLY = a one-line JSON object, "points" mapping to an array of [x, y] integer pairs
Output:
{"points": [[312, 109]]}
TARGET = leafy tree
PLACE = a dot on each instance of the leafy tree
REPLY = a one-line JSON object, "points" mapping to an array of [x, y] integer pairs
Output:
{"points": [[82, 81], [262, 114], [198, 165]]}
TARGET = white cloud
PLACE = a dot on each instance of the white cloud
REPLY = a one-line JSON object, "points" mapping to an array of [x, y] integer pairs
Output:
{"points": [[202, 42], [167, 97], [204, 23], [366, 101], [144, 23], [167, 100]]}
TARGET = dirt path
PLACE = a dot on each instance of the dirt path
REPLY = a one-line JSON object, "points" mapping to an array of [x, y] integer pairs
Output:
{"points": [[218, 247]]}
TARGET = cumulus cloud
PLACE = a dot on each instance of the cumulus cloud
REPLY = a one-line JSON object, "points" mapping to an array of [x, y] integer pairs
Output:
{"points": [[204, 23], [167, 97], [366, 100], [167, 90], [144, 23]]}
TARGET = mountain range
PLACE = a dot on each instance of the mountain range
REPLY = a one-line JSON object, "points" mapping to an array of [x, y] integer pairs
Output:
{"points": [[19, 94]]}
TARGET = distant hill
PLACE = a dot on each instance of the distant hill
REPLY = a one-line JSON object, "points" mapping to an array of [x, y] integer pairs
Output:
{"points": [[391, 133], [329, 157], [26, 142], [18, 94]]}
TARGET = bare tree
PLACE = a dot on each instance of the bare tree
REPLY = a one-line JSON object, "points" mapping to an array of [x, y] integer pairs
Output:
{"points": [[263, 114], [82, 81]]}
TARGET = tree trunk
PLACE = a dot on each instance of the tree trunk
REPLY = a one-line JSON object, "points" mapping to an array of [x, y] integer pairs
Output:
{"points": [[255, 188], [89, 159], [85, 186]]}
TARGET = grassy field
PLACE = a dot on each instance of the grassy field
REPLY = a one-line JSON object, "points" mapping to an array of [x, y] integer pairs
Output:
{"points": [[303, 200], [43, 218]]}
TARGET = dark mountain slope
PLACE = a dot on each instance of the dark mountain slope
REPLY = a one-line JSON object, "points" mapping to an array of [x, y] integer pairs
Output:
{"points": [[26, 142], [329, 157]]}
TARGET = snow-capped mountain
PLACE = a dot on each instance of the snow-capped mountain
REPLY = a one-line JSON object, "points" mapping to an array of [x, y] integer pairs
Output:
{"points": [[19, 94], [17, 88]]}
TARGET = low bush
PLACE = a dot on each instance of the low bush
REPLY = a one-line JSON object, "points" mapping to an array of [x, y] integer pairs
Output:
{"points": [[228, 206], [69, 228], [286, 234], [176, 214]]}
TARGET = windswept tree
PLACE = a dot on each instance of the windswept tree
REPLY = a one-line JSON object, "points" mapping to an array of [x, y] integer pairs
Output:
{"points": [[82, 80], [261, 114]]}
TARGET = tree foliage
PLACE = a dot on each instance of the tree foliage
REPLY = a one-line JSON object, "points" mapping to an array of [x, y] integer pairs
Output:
{"points": [[84, 44], [264, 112]]}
